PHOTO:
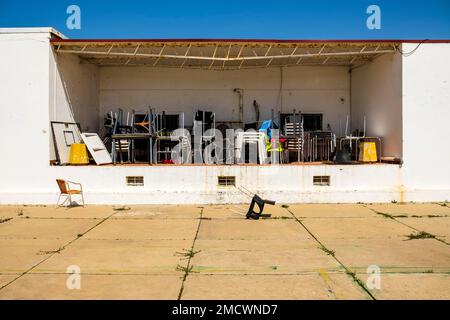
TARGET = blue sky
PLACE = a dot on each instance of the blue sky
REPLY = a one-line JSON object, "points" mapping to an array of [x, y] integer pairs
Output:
{"points": [[283, 19]]}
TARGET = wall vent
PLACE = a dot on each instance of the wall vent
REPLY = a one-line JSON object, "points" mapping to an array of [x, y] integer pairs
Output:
{"points": [[321, 180], [225, 181], [135, 181]]}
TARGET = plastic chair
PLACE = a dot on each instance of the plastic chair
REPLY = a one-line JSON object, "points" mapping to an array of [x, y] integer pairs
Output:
{"points": [[67, 191], [257, 138], [272, 147]]}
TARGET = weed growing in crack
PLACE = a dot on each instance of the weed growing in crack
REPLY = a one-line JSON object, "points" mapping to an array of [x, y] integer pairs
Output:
{"points": [[385, 215], [278, 218], [43, 252], [356, 279], [327, 251], [187, 254], [122, 209], [391, 216], [184, 269], [350, 273], [430, 216], [420, 235]]}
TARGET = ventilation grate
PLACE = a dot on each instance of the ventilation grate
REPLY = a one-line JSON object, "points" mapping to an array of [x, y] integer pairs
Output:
{"points": [[135, 181], [226, 181], [321, 180]]}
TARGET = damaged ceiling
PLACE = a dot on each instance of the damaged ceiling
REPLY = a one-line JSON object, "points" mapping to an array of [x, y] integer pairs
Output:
{"points": [[223, 54]]}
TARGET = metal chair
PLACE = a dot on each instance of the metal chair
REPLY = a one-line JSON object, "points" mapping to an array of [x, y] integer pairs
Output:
{"points": [[294, 134], [68, 192]]}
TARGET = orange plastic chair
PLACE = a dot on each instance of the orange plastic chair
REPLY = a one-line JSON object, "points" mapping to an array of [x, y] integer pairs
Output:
{"points": [[68, 192]]}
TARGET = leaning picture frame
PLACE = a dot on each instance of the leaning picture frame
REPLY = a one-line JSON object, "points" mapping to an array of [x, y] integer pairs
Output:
{"points": [[64, 135]]}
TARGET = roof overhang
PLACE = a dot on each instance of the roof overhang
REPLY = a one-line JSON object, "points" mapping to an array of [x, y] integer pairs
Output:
{"points": [[224, 54], [54, 34]]}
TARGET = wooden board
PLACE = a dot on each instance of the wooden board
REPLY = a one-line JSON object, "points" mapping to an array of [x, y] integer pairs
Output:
{"points": [[96, 148]]}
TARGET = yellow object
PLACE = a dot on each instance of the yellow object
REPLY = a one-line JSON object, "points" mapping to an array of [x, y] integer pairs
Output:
{"points": [[368, 152], [269, 147], [78, 154]]}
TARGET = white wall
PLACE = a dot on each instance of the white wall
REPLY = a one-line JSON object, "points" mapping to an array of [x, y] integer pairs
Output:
{"points": [[74, 91], [377, 94], [24, 116], [309, 89], [198, 184], [32, 95], [426, 120]]}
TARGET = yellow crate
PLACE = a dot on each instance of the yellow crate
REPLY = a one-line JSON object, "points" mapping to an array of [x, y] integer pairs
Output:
{"points": [[78, 154], [368, 152]]}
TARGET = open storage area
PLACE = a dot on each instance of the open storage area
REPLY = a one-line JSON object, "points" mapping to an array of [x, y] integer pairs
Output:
{"points": [[192, 121], [297, 97]]}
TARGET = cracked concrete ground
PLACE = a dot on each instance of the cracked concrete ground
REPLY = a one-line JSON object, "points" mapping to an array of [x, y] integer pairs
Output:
{"points": [[309, 251]]}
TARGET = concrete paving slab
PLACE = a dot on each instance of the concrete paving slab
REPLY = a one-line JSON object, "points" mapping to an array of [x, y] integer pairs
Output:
{"points": [[158, 212], [53, 286], [412, 209], [287, 287], [170, 229], [18, 256], [260, 257], [78, 212], [436, 226], [356, 228], [425, 286], [224, 212], [229, 247], [392, 255], [119, 257], [10, 211], [238, 211], [7, 278], [331, 211], [64, 230], [244, 229]]}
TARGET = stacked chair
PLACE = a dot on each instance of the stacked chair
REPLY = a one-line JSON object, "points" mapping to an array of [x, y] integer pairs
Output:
{"points": [[294, 135]]}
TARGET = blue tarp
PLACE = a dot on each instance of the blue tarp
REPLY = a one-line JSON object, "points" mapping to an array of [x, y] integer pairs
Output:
{"points": [[265, 127]]}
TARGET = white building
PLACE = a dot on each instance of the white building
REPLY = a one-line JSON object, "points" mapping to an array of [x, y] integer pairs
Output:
{"points": [[405, 98]]}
